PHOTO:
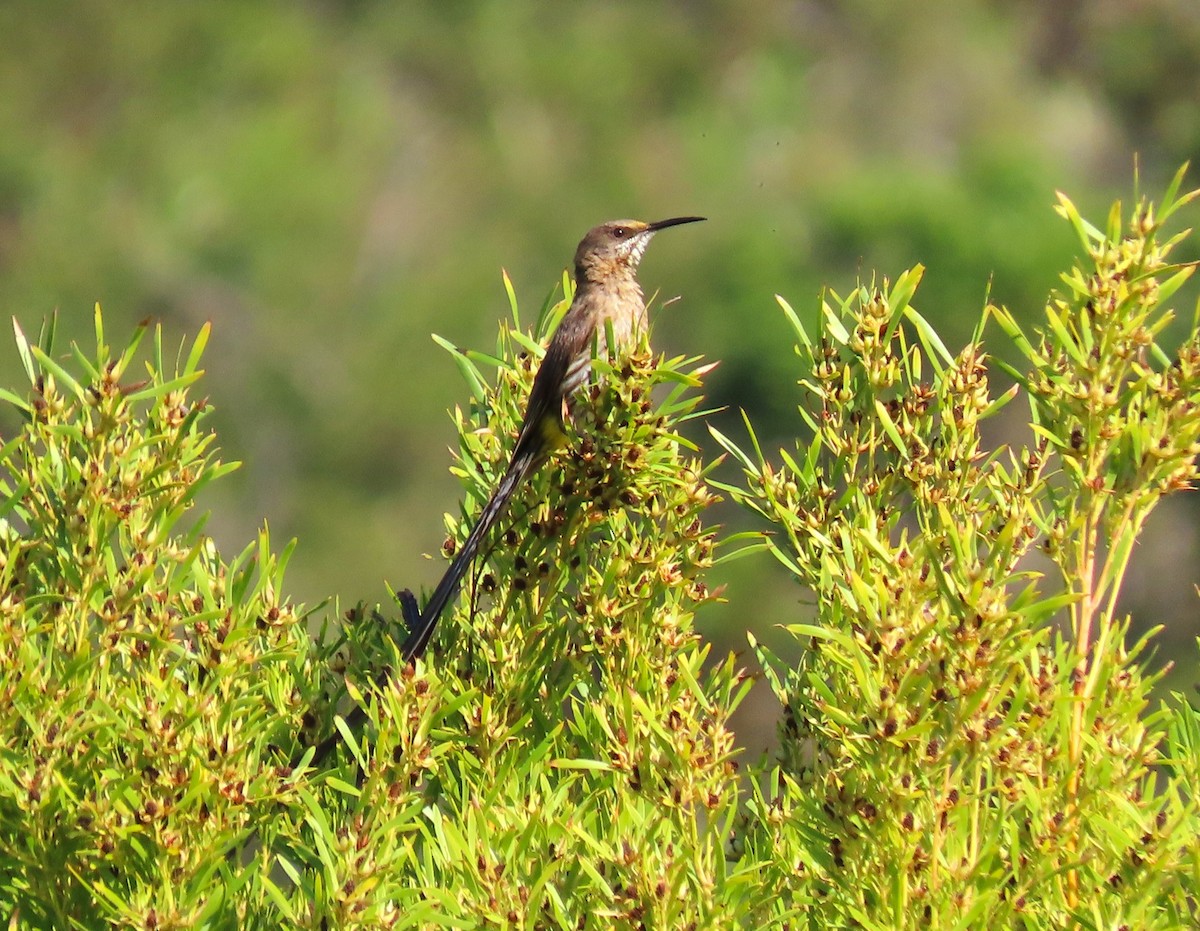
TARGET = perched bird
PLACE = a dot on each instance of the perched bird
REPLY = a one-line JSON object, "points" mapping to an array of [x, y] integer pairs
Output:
{"points": [[607, 299]]}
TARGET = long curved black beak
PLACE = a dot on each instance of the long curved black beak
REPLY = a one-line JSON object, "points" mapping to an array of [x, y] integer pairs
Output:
{"points": [[674, 221]]}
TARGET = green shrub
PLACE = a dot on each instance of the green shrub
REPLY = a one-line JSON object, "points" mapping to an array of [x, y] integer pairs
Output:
{"points": [[564, 755], [948, 758], [965, 738], [141, 675]]}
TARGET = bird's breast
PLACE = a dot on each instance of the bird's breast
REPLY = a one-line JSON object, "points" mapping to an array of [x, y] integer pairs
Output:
{"points": [[622, 309]]}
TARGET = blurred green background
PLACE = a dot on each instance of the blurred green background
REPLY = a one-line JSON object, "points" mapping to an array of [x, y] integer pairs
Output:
{"points": [[331, 182]]}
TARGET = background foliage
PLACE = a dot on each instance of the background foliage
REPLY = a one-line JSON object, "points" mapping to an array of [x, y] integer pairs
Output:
{"points": [[330, 182]]}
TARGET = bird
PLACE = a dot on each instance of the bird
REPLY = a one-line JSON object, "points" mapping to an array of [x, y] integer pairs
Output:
{"points": [[607, 300]]}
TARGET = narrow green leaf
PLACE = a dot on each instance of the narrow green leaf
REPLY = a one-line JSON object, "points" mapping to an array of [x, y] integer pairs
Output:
{"points": [[532, 346], [98, 322], [61, 375], [1168, 288], [275, 894], [833, 325], [1169, 204], [797, 326], [18, 492], [340, 785], [93, 373], [350, 740], [890, 428], [159, 389], [193, 359], [934, 347], [998, 404], [1115, 222], [158, 366], [905, 287], [512, 298], [1087, 233], [597, 766], [23, 351], [20, 403], [785, 558], [900, 296], [1062, 334], [734, 450], [466, 368]]}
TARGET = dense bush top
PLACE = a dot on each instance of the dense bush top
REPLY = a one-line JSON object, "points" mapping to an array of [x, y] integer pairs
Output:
{"points": [[965, 738]]}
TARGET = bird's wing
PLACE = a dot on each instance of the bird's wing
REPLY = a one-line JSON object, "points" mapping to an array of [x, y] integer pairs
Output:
{"points": [[564, 369]]}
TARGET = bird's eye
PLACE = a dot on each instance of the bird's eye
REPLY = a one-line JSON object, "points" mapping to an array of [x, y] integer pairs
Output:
{"points": [[620, 232]]}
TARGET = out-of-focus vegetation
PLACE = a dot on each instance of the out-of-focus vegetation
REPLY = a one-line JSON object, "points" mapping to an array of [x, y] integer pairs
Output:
{"points": [[329, 183]]}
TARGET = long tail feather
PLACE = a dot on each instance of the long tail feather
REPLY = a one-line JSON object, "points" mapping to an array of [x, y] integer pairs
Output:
{"points": [[418, 637], [421, 627]]}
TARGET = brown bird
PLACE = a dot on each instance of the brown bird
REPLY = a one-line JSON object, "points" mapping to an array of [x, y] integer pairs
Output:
{"points": [[607, 299]]}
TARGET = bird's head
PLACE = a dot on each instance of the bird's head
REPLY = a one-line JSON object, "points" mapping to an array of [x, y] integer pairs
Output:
{"points": [[617, 246]]}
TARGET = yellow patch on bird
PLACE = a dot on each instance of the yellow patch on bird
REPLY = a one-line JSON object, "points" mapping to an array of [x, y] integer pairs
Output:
{"points": [[552, 433]]}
